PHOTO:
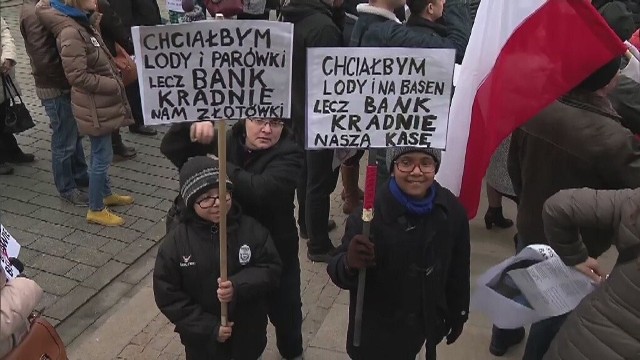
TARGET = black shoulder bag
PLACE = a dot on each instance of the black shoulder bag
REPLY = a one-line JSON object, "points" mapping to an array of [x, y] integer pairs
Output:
{"points": [[17, 117]]}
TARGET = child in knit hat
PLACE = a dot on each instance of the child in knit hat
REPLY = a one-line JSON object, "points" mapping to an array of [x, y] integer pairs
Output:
{"points": [[186, 278], [417, 261]]}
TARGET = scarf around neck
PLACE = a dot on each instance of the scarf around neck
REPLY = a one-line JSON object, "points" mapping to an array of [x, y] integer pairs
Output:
{"points": [[70, 11], [414, 206]]}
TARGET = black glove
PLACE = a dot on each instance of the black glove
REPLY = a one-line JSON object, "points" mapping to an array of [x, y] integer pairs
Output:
{"points": [[455, 327], [17, 264], [360, 254]]}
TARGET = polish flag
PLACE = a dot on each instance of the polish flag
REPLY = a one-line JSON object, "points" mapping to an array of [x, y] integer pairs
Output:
{"points": [[522, 55]]}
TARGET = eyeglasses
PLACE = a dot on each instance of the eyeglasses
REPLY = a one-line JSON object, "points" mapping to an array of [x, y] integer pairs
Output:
{"points": [[210, 201], [274, 124], [407, 166]]}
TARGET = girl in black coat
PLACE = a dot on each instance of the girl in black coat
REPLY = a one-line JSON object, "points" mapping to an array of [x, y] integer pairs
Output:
{"points": [[417, 284], [186, 275]]}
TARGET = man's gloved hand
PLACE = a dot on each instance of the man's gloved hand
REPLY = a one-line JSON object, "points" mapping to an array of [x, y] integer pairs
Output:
{"points": [[360, 254], [455, 326]]}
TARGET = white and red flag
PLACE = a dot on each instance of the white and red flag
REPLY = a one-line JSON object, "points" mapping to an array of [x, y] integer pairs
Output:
{"points": [[522, 55]]}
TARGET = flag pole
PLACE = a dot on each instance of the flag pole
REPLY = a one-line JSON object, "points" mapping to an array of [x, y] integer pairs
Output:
{"points": [[371, 179]]}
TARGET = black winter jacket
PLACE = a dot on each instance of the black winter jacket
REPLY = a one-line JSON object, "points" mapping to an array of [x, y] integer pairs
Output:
{"points": [[185, 284], [113, 30], [313, 26], [376, 30], [420, 282], [264, 182], [137, 12]]}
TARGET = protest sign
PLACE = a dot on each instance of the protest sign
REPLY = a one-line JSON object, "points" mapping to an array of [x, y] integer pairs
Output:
{"points": [[9, 248], [174, 5], [378, 97], [208, 70]]}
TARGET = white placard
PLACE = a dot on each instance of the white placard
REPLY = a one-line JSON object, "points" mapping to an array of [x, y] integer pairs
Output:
{"points": [[9, 248], [175, 5], [208, 70], [378, 97]]}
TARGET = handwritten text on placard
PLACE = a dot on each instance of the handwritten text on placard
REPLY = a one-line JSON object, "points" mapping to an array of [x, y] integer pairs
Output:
{"points": [[213, 70], [383, 97]]}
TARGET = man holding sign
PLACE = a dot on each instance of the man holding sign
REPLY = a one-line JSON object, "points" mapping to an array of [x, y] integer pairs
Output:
{"points": [[417, 256]]}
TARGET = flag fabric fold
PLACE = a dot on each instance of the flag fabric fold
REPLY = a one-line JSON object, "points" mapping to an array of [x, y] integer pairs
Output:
{"points": [[522, 55]]}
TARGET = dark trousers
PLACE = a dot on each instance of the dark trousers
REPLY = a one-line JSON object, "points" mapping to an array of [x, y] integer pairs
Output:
{"points": [[541, 334], [8, 143], [133, 96], [321, 182], [285, 309], [8, 147]]}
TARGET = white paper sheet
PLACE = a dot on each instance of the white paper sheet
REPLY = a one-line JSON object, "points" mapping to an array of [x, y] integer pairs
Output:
{"points": [[538, 287], [9, 248]]}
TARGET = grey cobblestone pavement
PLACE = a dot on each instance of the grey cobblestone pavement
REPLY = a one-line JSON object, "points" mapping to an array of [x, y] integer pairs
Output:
{"points": [[97, 280], [76, 263], [86, 269]]}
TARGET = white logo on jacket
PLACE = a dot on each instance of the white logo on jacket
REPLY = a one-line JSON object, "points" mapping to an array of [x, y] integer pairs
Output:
{"points": [[244, 255], [186, 261]]}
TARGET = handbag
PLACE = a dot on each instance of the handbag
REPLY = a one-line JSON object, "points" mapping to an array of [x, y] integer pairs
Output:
{"points": [[42, 342], [228, 8], [16, 115], [126, 65]]}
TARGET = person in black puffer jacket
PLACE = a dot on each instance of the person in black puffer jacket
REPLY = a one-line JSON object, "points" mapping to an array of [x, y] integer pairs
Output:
{"points": [[264, 176], [316, 24], [186, 276]]}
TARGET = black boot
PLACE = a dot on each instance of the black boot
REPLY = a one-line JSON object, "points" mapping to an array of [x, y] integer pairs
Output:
{"points": [[503, 339], [142, 130], [11, 151], [494, 217], [120, 151]]}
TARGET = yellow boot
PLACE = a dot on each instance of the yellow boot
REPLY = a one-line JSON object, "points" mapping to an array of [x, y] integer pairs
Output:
{"points": [[118, 200], [104, 218]]}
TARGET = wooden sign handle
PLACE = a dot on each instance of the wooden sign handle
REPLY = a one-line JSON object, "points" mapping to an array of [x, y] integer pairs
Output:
{"points": [[222, 193]]}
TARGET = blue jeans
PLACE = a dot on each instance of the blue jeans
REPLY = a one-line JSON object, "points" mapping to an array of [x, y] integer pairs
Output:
{"points": [[101, 157], [67, 156]]}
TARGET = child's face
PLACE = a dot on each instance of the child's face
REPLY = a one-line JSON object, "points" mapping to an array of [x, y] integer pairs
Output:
{"points": [[207, 205], [414, 172]]}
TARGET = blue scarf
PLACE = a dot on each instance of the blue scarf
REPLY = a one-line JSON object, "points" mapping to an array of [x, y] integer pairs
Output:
{"points": [[70, 11], [413, 206]]}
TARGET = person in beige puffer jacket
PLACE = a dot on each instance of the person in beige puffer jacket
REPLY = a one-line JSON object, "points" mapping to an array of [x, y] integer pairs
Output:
{"points": [[98, 98], [18, 298], [606, 324]]}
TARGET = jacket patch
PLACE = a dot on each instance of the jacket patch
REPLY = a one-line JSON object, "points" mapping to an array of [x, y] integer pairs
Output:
{"points": [[95, 42], [186, 261], [244, 255]]}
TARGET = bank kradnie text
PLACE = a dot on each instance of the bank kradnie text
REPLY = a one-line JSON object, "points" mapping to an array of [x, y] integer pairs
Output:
{"points": [[202, 71], [377, 100]]}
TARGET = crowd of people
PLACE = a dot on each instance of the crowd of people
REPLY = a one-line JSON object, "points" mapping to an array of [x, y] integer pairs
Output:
{"points": [[571, 170]]}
